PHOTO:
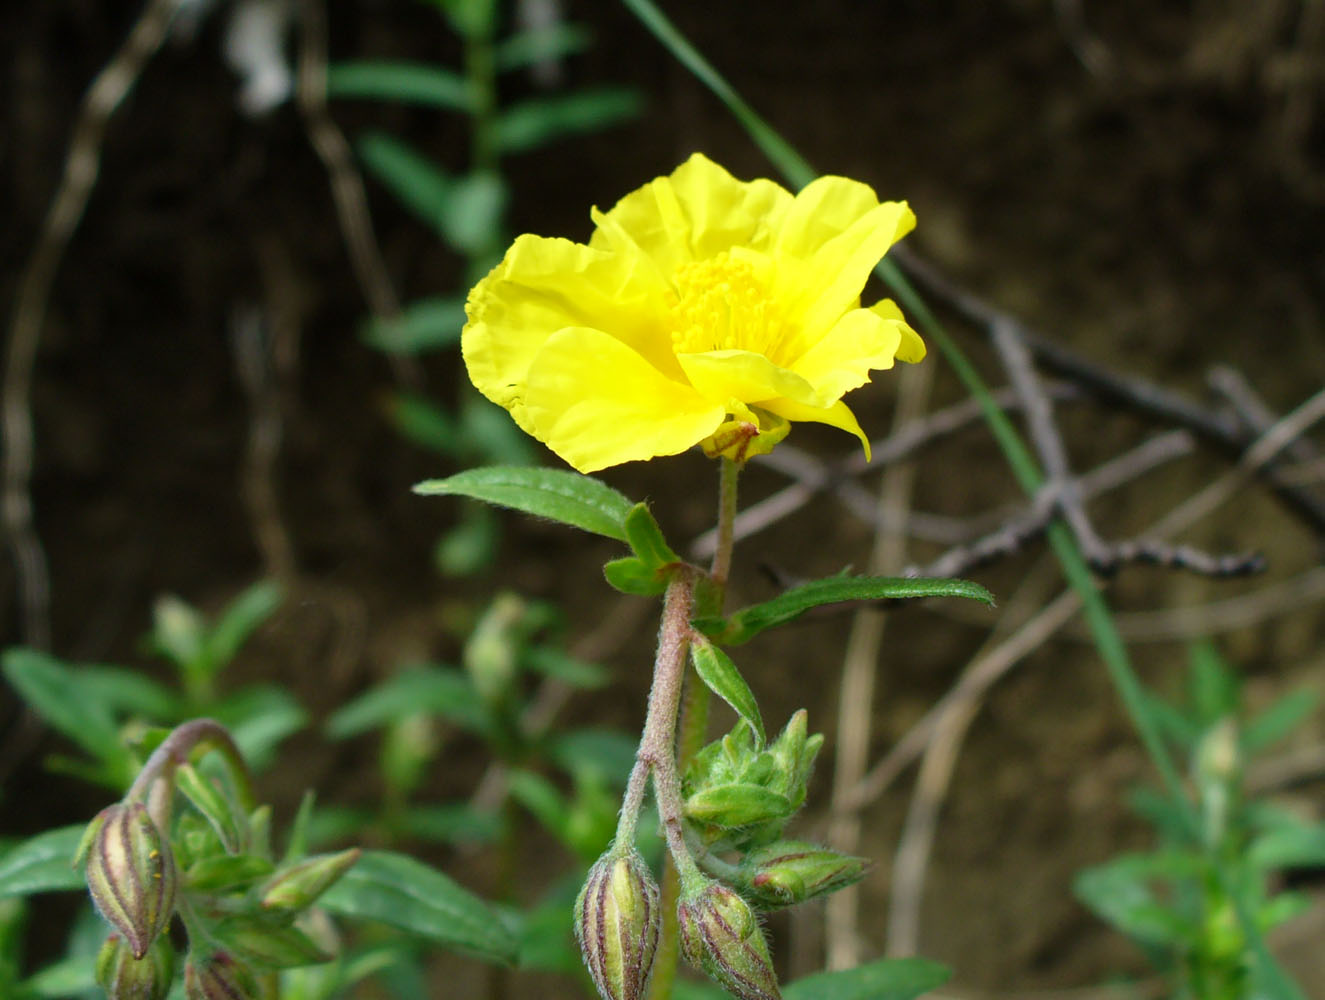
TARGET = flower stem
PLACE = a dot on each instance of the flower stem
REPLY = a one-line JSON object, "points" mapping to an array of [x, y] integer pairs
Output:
{"points": [[175, 750]]}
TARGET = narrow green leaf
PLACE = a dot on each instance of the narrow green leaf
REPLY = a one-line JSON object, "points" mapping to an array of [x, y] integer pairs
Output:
{"points": [[491, 434], [43, 863], [1298, 846], [215, 805], [444, 691], [543, 799], [426, 424], [1277, 721], [222, 871], [528, 47], [420, 185], [607, 753], [631, 575], [413, 83], [395, 889], [70, 977], [426, 325], [130, 692], [552, 662], [452, 823], [645, 538], [241, 619], [721, 676], [745, 624], [886, 979], [259, 718], [556, 494], [472, 218], [1119, 893], [538, 121], [53, 691]]}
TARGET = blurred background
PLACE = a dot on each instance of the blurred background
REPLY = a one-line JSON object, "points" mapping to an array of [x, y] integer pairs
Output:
{"points": [[212, 403]]}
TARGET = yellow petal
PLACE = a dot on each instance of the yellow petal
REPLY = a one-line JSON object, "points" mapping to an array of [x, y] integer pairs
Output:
{"points": [[696, 212], [596, 402], [542, 286], [912, 348], [838, 415], [859, 342], [745, 376], [824, 208], [832, 278]]}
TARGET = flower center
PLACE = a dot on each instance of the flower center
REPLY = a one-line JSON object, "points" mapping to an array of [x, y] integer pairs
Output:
{"points": [[720, 305]]}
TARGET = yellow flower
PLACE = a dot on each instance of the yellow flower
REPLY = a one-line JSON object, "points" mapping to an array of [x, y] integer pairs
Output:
{"points": [[705, 310]]}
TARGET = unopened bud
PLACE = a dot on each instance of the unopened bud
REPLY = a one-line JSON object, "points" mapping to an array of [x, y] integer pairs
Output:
{"points": [[124, 977], [617, 921], [131, 874], [298, 887], [218, 977], [790, 872], [720, 935]]}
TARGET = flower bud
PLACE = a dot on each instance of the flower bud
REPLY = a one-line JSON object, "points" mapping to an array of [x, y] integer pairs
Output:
{"points": [[218, 977], [720, 935], [298, 887], [124, 977], [617, 922], [131, 874], [790, 872]]}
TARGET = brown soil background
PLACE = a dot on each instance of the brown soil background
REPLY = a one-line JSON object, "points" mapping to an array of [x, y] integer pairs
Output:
{"points": [[1150, 193]]}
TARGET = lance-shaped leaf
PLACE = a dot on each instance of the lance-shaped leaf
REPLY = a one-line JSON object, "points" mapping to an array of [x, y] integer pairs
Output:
{"points": [[41, 864], [887, 979], [407, 82], [557, 494], [646, 538], [747, 623], [403, 893], [719, 673]]}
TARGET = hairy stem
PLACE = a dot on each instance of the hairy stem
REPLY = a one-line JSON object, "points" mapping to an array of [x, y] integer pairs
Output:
{"points": [[175, 750]]}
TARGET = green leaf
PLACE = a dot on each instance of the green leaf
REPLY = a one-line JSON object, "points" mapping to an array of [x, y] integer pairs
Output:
{"points": [[407, 82], [721, 676], [540, 120], [490, 434], [1277, 721], [425, 423], [608, 753], [646, 539], [1298, 846], [444, 691], [472, 220], [552, 662], [1213, 687], [43, 863], [70, 977], [240, 620], [259, 718], [556, 494], [426, 325], [129, 692], [745, 624], [547, 940], [632, 575], [471, 546], [543, 799], [528, 47], [221, 871], [420, 185], [215, 805], [395, 889], [1119, 893], [737, 805], [451, 823], [886, 979], [53, 691]]}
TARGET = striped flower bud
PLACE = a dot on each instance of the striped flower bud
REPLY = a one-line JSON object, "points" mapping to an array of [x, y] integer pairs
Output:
{"points": [[218, 977], [617, 922], [790, 872], [131, 874], [124, 977], [720, 935]]}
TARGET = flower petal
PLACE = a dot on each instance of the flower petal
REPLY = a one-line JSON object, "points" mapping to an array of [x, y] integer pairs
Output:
{"points": [[596, 402], [745, 376], [697, 212], [542, 286], [838, 415], [912, 348], [861, 341], [824, 209]]}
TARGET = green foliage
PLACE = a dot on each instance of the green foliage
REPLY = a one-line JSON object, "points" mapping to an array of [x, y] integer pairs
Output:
{"points": [[716, 669], [41, 863]]}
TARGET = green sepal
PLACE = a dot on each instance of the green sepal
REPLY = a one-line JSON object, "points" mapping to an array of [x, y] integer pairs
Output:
{"points": [[736, 806], [744, 625], [225, 871], [266, 945]]}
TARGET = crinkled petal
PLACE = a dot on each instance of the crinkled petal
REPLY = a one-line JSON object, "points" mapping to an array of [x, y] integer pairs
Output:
{"points": [[745, 376], [838, 415], [696, 212], [596, 402], [545, 285], [823, 210], [861, 341], [829, 282], [912, 348]]}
